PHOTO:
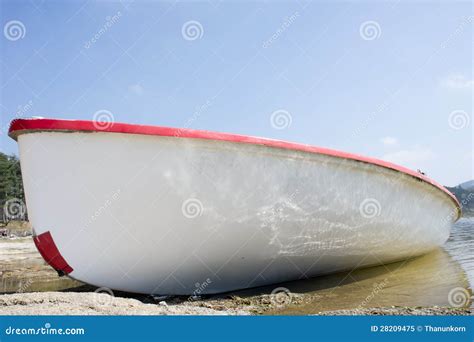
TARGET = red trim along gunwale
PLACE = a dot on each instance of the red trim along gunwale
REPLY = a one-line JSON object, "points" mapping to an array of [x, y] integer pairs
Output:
{"points": [[22, 126]]}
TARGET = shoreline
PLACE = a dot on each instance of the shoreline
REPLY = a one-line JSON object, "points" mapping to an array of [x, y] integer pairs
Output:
{"points": [[92, 303], [31, 287]]}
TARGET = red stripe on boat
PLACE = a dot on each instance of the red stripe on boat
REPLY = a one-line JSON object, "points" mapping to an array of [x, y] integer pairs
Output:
{"points": [[49, 251], [20, 126]]}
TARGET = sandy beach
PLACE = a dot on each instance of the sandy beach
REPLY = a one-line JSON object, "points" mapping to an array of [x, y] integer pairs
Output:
{"points": [[91, 303]]}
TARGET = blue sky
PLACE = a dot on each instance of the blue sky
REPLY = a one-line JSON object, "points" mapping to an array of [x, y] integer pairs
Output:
{"points": [[391, 80]]}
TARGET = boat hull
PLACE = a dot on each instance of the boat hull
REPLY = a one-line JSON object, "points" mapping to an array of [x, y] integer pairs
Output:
{"points": [[172, 215]]}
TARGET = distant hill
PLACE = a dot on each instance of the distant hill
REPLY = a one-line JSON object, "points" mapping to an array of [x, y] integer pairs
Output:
{"points": [[469, 185], [464, 192]]}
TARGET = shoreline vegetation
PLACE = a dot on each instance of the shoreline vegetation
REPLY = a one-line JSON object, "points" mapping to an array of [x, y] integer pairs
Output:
{"points": [[35, 289], [12, 196]]}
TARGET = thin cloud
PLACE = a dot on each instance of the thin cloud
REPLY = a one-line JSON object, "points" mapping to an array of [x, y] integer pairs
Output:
{"points": [[137, 89], [457, 81], [389, 141], [412, 157]]}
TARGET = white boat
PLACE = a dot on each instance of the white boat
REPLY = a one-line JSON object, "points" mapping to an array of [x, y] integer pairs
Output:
{"points": [[160, 210]]}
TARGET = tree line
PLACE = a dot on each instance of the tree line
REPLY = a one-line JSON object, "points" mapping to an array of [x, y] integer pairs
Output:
{"points": [[12, 196]]}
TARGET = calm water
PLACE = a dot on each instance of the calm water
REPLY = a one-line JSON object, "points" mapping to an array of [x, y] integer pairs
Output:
{"points": [[22, 269], [461, 246], [422, 281]]}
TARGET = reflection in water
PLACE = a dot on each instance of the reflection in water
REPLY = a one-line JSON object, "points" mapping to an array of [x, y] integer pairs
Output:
{"points": [[423, 281], [461, 245], [22, 269]]}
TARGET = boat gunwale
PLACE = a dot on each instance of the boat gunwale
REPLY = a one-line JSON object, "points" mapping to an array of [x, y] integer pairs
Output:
{"points": [[30, 125]]}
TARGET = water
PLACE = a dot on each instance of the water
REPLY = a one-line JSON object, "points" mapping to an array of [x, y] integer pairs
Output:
{"points": [[428, 280], [22, 269], [461, 245]]}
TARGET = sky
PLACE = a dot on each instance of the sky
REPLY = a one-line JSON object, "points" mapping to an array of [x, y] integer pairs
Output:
{"points": [[391, 80]]}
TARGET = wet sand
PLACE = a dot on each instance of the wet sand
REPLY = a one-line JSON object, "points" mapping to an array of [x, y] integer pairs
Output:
{"points": [[22, 269]]}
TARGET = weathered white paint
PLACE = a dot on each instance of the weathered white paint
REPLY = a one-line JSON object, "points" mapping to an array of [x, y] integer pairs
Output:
{"points": [[114, 205]]}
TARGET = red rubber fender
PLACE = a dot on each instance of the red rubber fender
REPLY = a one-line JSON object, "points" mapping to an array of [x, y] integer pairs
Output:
{"points": [[50, 253]]}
